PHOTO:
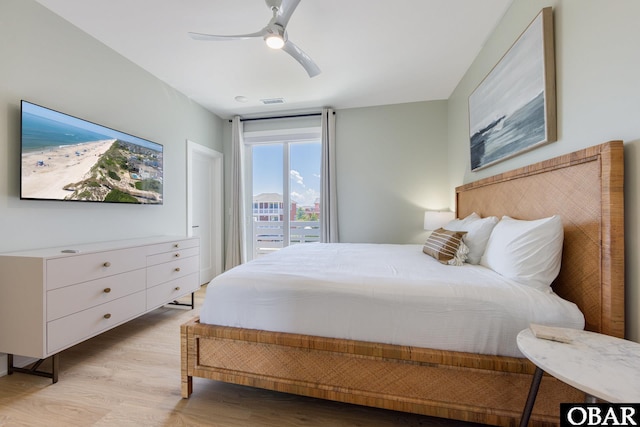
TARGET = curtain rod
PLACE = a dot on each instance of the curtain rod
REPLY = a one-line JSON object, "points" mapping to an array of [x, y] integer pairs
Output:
{"points": [[250, 119]]}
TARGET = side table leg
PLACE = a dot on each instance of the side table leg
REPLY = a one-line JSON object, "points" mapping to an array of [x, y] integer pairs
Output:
{"points": [[531, 399]]}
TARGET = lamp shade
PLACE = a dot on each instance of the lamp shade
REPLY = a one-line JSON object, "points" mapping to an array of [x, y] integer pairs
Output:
{"points": [[436, 219]]}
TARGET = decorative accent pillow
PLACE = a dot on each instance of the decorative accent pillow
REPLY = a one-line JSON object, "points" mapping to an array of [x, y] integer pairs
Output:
{"points": [[446, 246], [528, 252], [478, 231]]}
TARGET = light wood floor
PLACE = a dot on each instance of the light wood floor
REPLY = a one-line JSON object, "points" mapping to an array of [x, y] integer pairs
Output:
{"points": [[130, 376]]}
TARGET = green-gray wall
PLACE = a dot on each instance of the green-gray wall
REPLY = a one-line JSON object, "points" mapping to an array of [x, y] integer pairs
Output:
{"points": [[391, 166], [597, 45], [393, 161], [44, 59], [47, 61]]}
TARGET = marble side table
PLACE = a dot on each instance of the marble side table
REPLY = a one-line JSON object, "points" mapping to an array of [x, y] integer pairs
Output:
{"points": [[602, 366]]}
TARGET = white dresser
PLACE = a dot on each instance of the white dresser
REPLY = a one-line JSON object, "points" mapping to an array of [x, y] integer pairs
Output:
{"points": [[51, 299]]}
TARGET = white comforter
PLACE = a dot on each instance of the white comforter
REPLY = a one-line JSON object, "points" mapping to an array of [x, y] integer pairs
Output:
{"points": [[382, 293]]}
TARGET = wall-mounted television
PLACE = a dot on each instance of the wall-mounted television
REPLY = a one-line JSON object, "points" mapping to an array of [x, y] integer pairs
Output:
{"points": [[67, 158]]}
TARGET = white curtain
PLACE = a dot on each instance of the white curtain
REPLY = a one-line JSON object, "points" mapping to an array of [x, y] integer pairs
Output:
{"points": [[235, 253], [328, 195]]}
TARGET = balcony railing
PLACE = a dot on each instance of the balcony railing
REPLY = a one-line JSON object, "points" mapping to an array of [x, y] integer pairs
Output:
{"points": [[263, 211], [268, 236]]}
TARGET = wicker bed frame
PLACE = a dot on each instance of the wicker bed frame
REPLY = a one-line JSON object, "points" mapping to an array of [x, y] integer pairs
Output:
{"points": [[584, 187]]}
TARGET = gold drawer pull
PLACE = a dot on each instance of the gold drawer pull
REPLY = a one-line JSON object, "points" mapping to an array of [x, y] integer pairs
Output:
{"points": [[107, 264], [177, 288], [177, 269], [177, 255], [107, 290], [107, 316], [176, 245]]}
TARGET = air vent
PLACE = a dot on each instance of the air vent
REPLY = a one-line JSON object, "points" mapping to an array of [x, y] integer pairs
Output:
{"points": [[272, 101]]}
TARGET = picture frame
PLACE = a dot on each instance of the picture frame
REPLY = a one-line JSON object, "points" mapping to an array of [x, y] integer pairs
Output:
{"points": [[513, 109]]}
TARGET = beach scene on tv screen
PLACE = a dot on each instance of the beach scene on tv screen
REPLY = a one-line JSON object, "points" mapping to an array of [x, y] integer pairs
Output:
{"points": [[66, 158]]}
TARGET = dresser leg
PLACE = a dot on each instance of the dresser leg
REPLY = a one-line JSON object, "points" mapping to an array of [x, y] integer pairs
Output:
{"points": [[33, 370], [192, 305], [55, 367], [531, 399]]}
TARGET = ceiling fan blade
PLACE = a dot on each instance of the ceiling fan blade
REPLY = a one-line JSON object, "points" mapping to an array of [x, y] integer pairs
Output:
{"points": [[285, 11], [212, 37], [304, 59]]}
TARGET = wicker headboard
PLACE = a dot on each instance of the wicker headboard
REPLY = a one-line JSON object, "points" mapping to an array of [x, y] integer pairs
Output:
{"points": [[586, 188]]}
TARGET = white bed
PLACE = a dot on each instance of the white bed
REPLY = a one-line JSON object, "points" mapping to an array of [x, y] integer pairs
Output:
{"points": [[393, 294], [585, 188]]}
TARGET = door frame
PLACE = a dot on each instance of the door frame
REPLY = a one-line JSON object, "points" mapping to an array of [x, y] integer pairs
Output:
{"points": [[217, 194]]}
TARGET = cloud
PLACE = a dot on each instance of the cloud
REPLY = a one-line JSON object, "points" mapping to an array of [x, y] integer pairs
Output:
{"points": [[296, 197], [306, 198], [303, 195], [297, 177]]}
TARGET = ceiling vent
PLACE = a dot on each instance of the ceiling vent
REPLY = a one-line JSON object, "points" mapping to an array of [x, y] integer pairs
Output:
{"points": [[272, 101]]}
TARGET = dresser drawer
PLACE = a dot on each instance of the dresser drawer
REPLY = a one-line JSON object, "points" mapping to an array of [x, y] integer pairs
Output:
{"points": [[69, 330], [171, 270], [169, 291], [71, 299], [172, 256], [173, 246], [80, 268]]}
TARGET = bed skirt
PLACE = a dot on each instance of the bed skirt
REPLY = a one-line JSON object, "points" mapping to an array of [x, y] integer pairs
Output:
{"points": [[463, 386]]}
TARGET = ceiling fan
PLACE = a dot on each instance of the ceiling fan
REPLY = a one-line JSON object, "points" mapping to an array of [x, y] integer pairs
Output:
{"points": [[274, 34]]}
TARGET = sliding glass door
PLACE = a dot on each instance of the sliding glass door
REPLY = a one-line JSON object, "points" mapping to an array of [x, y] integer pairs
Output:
{"points": [[285, 189]]}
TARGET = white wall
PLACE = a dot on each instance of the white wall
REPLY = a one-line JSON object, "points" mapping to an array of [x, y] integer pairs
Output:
{"points": [[45, 60], [391, 166], [598, 92]]}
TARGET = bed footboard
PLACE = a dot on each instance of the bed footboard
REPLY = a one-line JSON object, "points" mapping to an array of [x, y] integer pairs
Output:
{"points": [[468, 387]]}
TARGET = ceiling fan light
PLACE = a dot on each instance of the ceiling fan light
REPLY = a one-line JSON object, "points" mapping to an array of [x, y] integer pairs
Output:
{"points": [[274, 41]]}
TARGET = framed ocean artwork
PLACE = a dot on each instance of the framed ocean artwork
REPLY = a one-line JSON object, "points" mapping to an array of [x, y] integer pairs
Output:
{"points": [[513, 110]]}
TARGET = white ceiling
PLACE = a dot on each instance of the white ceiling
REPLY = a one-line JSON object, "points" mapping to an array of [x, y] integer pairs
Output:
{"points": [[371, 52]]}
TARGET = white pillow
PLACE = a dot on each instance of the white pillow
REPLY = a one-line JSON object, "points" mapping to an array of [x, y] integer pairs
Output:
{"points": [[528, 252], [458, 223], [478, 231]]}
